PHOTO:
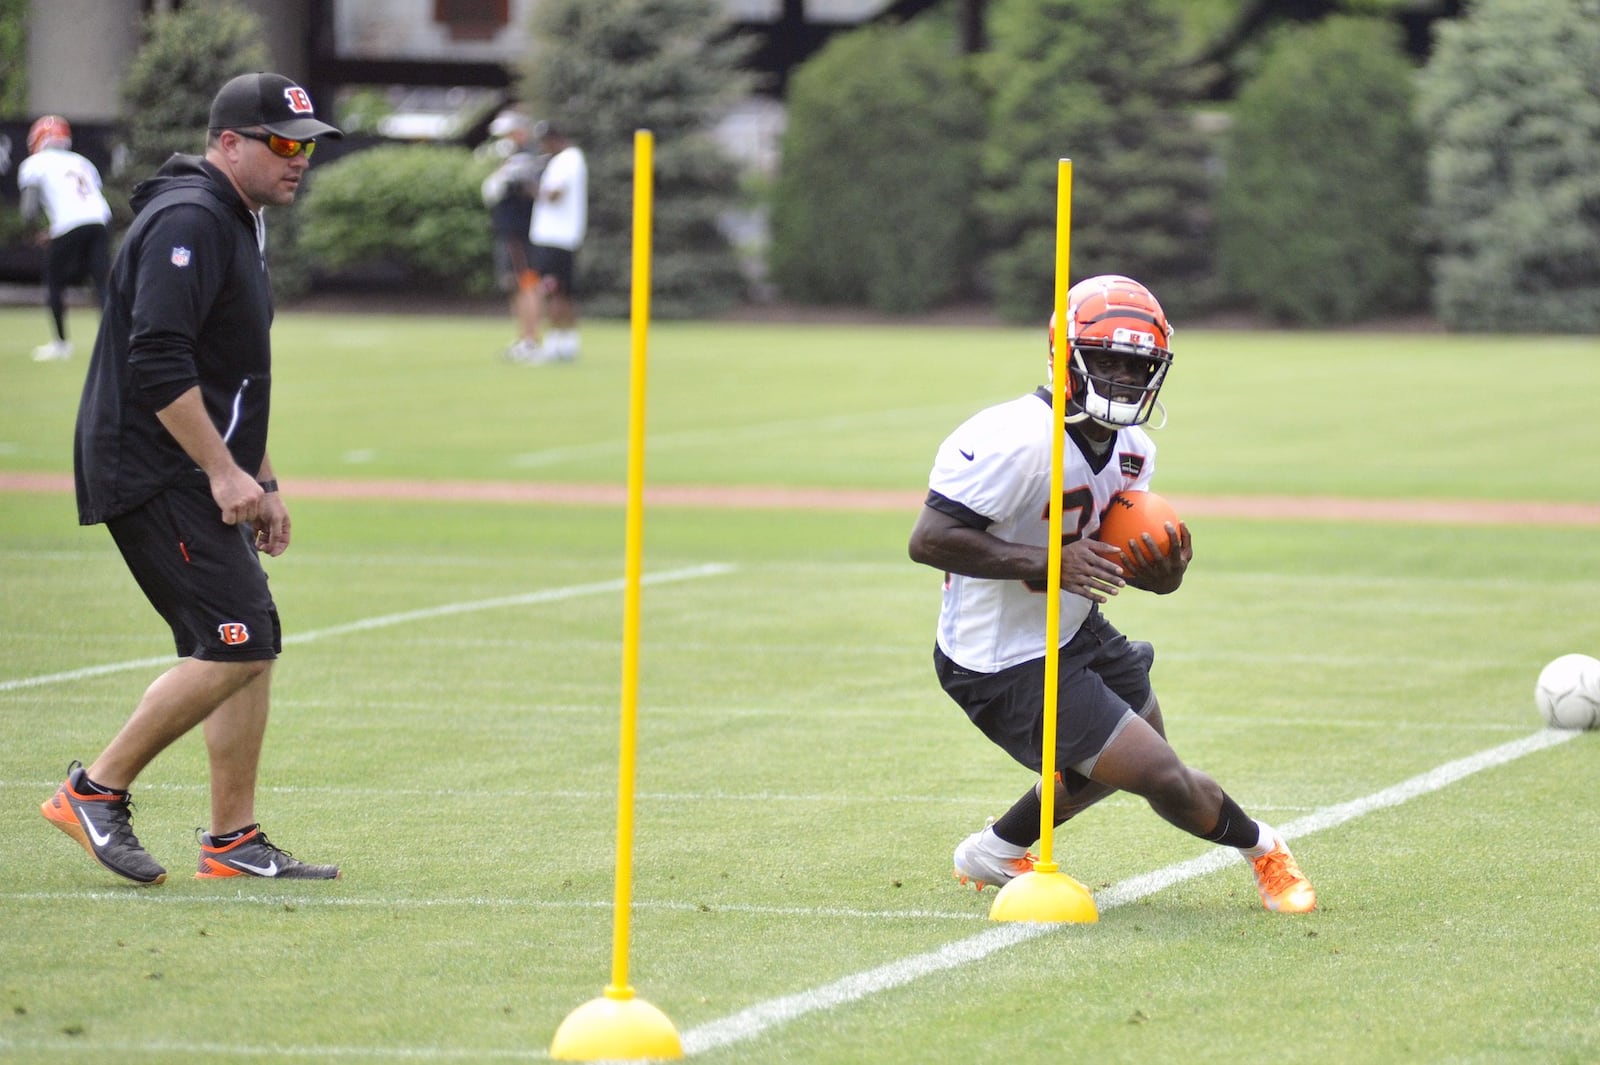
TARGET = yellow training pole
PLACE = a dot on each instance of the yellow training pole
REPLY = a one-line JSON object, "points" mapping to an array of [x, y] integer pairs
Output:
{"points": [[619, 1026], [1047, 894]]}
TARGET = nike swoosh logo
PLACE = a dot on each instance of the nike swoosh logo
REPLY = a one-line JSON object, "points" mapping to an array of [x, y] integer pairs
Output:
{"points": [[100, 838], [259, 870], [968, 455]]}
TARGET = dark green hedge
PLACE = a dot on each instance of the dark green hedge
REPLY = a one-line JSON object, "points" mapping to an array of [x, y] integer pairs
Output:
{"points": [[1319, 214], [412, 211], [874, 200]]}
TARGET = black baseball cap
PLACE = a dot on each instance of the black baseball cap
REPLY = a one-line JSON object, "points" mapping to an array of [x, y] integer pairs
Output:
{"points": [[272, 102]]}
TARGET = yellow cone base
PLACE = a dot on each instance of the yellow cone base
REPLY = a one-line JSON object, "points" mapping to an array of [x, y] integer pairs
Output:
{"points": [[616, 1027], [1044, 896]]}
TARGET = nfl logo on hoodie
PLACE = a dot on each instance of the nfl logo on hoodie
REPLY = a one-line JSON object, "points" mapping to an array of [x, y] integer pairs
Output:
{"points": [[180, 256]]}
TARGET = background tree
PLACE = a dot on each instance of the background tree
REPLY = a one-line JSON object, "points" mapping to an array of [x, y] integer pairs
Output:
{"points": [[1233, 35], [1100, 82], [1511, 101], [606, 68], [187, 55], [1319, 213], [874, 198], [14, 59]]}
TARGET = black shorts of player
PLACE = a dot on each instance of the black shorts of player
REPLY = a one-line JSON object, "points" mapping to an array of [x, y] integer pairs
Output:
{"points": [[81, 254], [555, 268], [1104, 679], [202, 576], [513, 256]]}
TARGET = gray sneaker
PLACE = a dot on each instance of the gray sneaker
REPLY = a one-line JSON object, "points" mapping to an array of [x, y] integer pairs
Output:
{"points": [[103, 825], [253, 854]]}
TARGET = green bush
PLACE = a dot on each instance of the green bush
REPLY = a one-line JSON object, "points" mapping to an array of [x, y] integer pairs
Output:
{"points": [[1099, 82], [1319, 213], [1511, 101], [409, 210], [874, 200]]}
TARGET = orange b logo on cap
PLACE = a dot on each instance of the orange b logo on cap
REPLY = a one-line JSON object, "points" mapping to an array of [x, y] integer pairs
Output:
{"points": [[299, 100], [233, 633]]}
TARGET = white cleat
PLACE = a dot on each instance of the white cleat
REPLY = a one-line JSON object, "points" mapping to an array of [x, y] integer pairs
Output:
{"points": [[984, 858]]}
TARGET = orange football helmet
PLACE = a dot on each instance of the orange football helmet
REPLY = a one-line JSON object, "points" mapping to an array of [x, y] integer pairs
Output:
{"points": [[49, 131], [1119, 350]]}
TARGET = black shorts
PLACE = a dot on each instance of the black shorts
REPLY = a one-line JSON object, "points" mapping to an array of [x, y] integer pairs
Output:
{"points": [[513, 256], [202, 576], [555, 268], [82, 254], [1104, 680]]}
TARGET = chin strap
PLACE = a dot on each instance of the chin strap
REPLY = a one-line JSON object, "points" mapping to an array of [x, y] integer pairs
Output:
{"points": [[1084, 416]]}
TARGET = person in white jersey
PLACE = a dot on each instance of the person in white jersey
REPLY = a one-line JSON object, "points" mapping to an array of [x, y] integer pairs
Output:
{"points": [[560, 222], [985, 523], [67, 187]]}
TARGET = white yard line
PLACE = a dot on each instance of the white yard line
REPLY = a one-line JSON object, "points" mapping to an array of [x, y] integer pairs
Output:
{"points": [[550, 595], [750, 1023]]}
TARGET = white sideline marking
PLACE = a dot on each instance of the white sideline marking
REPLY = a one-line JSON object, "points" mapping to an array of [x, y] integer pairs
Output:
{"points": [[551, 595], [752, 1022]]}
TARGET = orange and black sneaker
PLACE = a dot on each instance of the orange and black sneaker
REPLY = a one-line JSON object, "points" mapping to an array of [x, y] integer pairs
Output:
{"points": [[102, 824], [253, 854], [1283, 887], [984, 858]]}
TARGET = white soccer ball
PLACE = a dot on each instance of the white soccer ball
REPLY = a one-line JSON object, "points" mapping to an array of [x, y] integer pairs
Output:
{"points": [[1568, 692]]}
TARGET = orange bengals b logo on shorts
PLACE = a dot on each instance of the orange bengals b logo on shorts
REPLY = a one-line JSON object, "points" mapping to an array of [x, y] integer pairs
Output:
{"points": [[233, 633]]}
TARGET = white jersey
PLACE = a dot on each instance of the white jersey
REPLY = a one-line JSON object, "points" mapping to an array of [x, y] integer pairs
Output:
{"points": [[997, 466], [561, 211], [69, 189]]}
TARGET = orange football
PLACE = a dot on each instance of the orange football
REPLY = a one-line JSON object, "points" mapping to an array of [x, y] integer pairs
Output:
{"points": [[1130, 514]]}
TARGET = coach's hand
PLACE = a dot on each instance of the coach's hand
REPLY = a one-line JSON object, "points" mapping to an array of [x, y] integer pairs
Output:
{"points": [[237, 495], [272, 525]]}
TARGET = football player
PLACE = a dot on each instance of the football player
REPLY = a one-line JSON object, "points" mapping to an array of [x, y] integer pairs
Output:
{"points": [[78, 244], [985, 523]]}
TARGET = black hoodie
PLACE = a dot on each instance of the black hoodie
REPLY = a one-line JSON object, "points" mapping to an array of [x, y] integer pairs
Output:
{"points": [[189, 303]]}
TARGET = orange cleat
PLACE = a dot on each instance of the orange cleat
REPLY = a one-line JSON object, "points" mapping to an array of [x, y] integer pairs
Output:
{"points": [[1283, 887]]}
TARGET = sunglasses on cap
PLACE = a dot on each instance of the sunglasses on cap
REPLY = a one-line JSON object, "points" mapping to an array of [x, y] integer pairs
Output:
{"points": [[280, 146]]}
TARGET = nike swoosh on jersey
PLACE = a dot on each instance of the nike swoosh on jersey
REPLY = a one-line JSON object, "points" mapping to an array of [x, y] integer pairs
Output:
{"points": [[968, 455], [100, 838]]}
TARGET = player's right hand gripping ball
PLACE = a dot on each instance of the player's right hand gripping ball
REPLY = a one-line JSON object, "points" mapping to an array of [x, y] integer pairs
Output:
{"points": [[1132, 513]]}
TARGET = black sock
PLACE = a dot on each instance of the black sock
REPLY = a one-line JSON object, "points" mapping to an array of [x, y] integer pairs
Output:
{"points": [[1019, 825], [1235, 828], [98, 789], [232, 837]]}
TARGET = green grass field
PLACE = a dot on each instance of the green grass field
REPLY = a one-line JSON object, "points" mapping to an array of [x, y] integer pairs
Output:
{"points": [[446, 718]]}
